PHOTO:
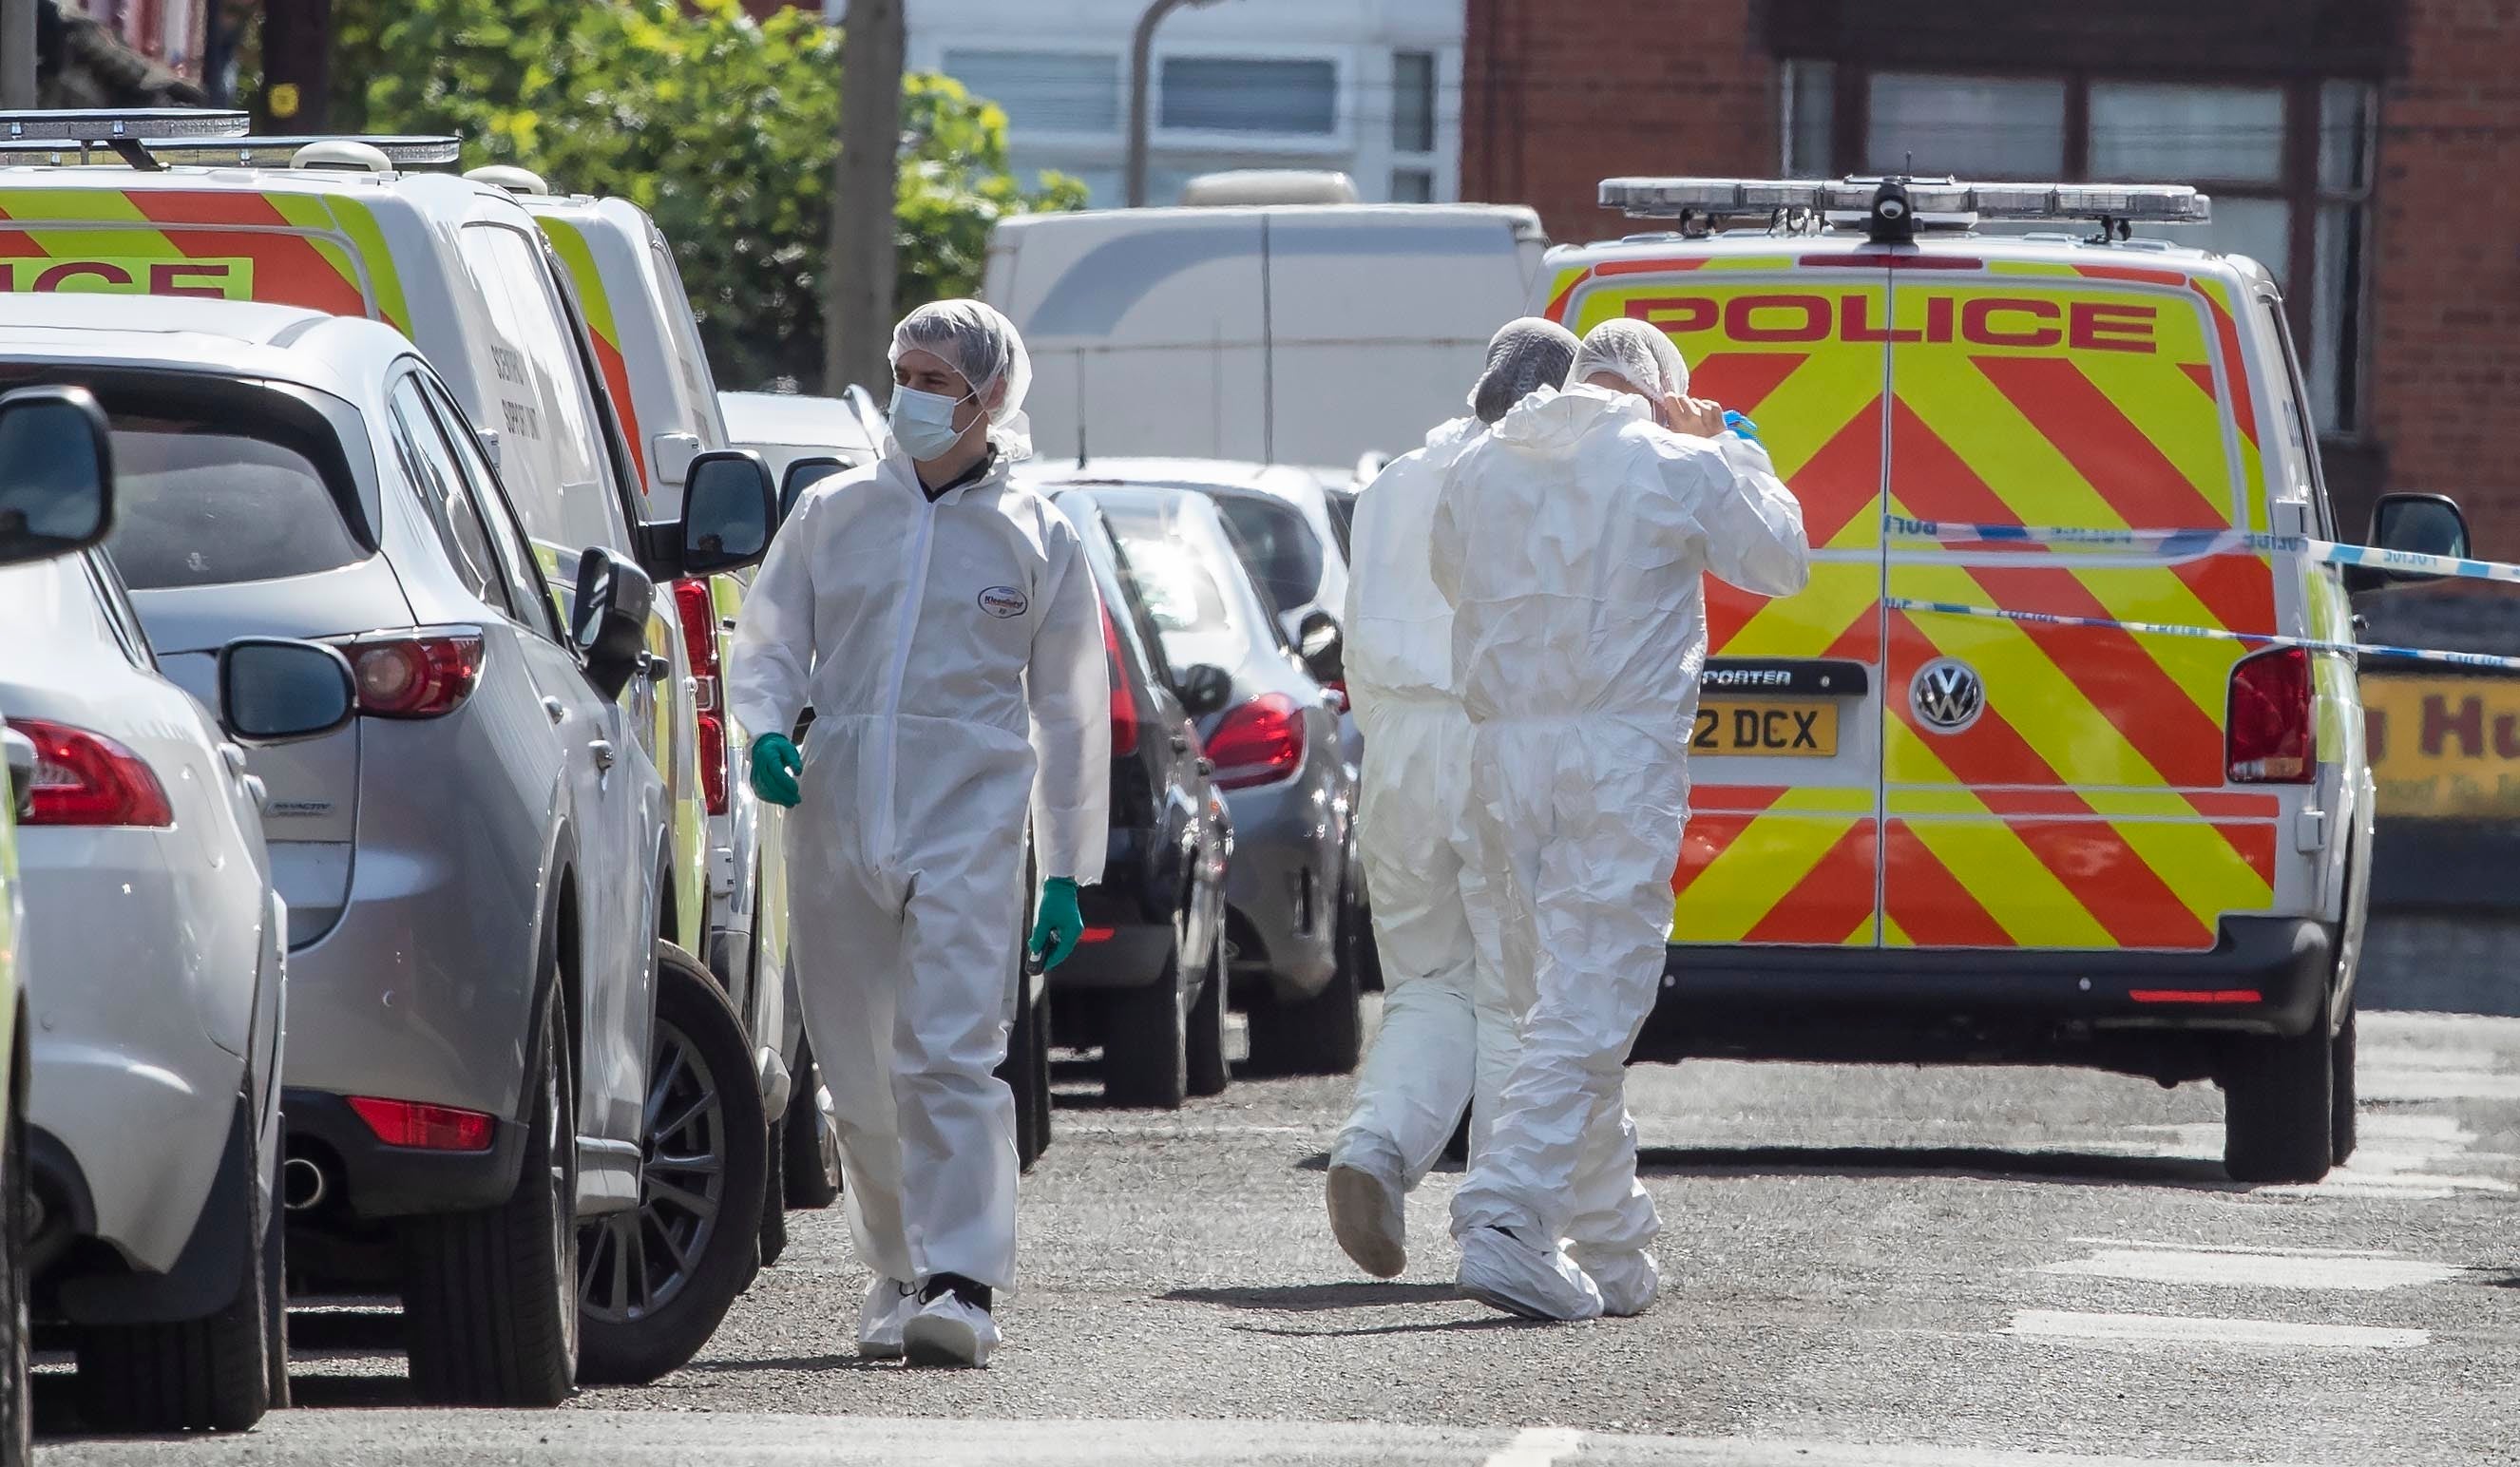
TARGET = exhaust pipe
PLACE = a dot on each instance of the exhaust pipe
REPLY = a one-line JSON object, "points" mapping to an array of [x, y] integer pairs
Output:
{"points": [[302, 1184]]}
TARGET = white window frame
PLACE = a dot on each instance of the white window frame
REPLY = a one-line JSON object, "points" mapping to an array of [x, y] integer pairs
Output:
{"points": [[1340, 140], [1016, 126]]}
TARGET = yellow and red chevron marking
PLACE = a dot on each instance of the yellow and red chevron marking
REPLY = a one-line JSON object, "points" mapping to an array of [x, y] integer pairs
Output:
{"points": [[569, 243], [2047, 882], [322, 255], [1770, 865]]}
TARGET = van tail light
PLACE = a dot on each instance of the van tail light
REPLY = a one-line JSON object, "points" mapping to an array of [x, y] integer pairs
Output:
{"points": [[1124, 703], [2270, 736], [423, 1127], [1259, 742], [420, 675], [697, 610], [84, 779]]}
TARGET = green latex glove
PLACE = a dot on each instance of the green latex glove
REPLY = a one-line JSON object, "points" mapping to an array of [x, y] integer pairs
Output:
{"points": [[1059, 925], [774, 764]]}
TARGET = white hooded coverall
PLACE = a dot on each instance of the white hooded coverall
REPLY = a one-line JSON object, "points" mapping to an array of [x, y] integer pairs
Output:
{"points": [[1570, 542], [951, 652], [1413, 834]]}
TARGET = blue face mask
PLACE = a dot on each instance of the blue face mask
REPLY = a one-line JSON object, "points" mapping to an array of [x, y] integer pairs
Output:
{"points": [[922, 422]]}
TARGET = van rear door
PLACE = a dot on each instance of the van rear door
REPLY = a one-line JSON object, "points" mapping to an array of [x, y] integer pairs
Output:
{"points": [[1782, 846], [2064, 786]]}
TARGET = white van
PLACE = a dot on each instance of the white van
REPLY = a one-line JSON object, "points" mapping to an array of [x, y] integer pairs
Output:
{"points": [[1297, 334]]}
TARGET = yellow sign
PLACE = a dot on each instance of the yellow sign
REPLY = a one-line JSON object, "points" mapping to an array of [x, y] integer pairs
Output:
{"points": [[281, 98], [224, 278], [2443, 747], [1806, 731]]}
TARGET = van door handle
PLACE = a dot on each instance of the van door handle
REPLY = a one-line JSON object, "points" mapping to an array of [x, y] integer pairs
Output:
{"points": [[1181, 742], [556, 709], [602, 749]]}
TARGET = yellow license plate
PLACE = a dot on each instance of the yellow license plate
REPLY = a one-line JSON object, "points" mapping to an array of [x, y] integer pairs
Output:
{"points": [[1770, 727]]}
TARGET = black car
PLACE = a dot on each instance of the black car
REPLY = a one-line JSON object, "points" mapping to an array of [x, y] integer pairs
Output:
{"points": [[1148, 983]]}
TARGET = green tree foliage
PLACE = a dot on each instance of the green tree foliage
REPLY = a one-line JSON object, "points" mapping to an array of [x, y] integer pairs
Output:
{"points": [[721, 127]]}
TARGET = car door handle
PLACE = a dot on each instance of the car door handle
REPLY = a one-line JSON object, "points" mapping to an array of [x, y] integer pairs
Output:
{"points": [[557, 709], [234, 758], [1206, 766], [602, 749], [1181, 742]]}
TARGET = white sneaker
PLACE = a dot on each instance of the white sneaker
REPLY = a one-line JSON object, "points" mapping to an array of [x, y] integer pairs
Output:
{"points": [[1630, 1280], [1502, 1271], [888, 1303], [949, 1332], [1366, 1220]]}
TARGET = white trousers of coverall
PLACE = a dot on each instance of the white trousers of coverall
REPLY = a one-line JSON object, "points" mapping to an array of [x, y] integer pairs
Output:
{"points": [[906, 950], [1579, 825], [1447, 1030]]}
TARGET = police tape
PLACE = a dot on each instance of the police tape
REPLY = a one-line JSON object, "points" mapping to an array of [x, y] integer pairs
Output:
{"points": [[2190, 544], [2481, 661]]}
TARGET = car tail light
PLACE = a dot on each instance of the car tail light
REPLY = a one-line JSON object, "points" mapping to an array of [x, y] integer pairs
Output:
{"points": [[424, 675], [1124, 703], [1260, 742], [2270, 736], [84, 779], [698, 609], [425, 1127]]}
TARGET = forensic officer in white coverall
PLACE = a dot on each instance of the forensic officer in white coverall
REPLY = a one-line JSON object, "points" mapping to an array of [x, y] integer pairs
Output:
{"points": [[1442, 1025], [942, 623], [1570, 542]]}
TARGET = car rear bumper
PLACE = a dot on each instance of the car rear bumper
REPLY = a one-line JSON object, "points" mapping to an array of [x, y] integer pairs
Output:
{"points": [[371, 1180], [1282, 893], [1129, 918], [198, 1279], [2111, 1008]]}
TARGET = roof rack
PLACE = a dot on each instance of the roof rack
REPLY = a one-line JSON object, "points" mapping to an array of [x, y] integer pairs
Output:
{"points": [[1894, 208], [238, 150]]}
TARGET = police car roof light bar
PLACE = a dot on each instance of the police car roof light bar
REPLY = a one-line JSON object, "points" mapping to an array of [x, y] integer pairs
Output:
{"points": [[416, 151], [106, 126], [1931, 203]]}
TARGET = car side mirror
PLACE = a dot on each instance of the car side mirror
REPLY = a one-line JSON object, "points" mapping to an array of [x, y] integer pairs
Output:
{"points": [[2416, 524], [728, 511], [273, 691], [801, 475], [56, 473], [608, 621], [1322, 647], [1204, 689]]}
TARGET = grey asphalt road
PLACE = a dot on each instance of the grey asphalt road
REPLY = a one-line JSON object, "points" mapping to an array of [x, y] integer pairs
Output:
{"points": [[1862, 1265]]}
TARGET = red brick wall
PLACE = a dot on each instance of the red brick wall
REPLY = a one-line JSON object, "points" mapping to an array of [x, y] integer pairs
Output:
{"points": [[2445, 358], [1558, 96]]}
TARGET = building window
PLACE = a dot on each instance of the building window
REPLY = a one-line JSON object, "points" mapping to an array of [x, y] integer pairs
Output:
{"points": [[1412, 102], [1413, 186], [1249, 94], [1971, 126], [1044, 91], [2288, 166]]}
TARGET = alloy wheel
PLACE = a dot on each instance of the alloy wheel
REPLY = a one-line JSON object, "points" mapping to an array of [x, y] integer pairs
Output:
{"points": [[632, 1264]]}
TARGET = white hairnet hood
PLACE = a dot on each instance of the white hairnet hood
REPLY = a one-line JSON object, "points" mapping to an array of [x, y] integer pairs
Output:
{"points": [[977, 341]]}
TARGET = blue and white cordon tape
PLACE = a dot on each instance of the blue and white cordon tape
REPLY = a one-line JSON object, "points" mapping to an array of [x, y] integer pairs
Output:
{"points": [[2187, 544]]}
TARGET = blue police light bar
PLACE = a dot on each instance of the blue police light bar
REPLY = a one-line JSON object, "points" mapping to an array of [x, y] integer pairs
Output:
{"points": [[104, 127], [1933, 199], [412, 152]]}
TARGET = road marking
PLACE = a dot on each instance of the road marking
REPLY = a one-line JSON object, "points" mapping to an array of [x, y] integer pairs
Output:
{"points": [[2388, 1085], [2075, 1327], [1538, 1447], [2241, 1269]]}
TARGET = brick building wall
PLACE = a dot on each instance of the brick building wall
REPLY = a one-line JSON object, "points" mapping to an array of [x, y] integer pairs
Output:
{"points": [[2444, 348], [1558, 96]]}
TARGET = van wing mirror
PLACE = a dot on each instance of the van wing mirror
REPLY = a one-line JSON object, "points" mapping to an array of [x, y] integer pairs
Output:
{"points": [[273, 691], [803, 474], [2421, 525], [56, 473], [1204, 689], [728, 511], [608, 621], [1322, 647]]}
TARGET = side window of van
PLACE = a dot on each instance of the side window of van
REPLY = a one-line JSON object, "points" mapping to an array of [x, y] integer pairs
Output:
{"points": [[508, 267], [2297, 430], [432, 468]]}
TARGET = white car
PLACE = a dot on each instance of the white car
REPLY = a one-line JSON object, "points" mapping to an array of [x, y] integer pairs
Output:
{"points": [[154, 1114]]}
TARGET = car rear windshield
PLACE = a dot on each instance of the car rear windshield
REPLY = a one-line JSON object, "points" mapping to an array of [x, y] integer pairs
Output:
{"points": [[1281, 548], [1188, 586], [196, 506]]}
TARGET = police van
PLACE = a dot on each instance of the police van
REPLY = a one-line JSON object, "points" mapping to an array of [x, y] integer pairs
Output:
{"points": [[1956, 802]]}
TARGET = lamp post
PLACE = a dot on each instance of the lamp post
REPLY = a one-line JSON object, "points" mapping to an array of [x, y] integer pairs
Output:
{"points": [[1140, 54]]}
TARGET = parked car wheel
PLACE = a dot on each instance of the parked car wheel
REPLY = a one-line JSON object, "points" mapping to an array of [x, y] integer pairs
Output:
{"points": [[1146, 1043], [1023, 1039], [2341, 1090], [275, 1268], [489, 1298], [654, 1281], [17, 1407], [207, 1374], [1209, 1073], [1038, 1073], [1325, 1034], [774, 1194], [811, 1140], [2277, 1107]]}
